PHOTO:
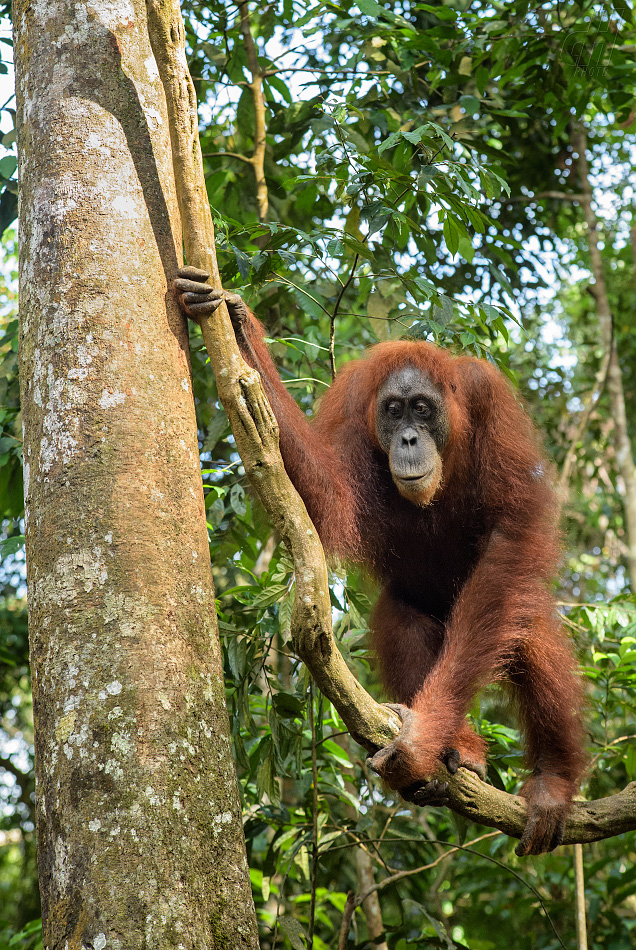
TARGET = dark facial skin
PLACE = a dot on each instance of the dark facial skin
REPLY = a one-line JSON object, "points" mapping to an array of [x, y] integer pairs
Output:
{"points": [[413, 427]]}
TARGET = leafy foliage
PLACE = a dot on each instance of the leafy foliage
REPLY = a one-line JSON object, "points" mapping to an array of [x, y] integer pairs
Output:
{"points": [[414, 154]]}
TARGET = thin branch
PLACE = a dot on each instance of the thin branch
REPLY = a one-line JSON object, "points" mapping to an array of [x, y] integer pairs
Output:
{"points": [[353, 901], [589, 403], [334, 313], [242, 158], [399, 875], [329, 72], [371, 905], [314, 821], [609, 746], [579, 890], [347, 917], [286, 280]]}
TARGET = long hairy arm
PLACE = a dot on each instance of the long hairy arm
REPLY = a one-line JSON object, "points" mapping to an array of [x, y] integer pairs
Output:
{"points": [[311, 460]]}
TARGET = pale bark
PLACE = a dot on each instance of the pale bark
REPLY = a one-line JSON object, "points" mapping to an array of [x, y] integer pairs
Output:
{"points": [[579, 893], [371, 904], [622, 443], [580, 427], [257, 160], [139, 824]]}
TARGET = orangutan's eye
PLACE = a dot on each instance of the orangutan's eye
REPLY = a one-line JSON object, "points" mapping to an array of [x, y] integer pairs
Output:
{"points": [[423, 409]]}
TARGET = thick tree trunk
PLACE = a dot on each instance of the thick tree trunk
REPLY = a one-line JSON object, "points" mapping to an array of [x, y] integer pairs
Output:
{"points": [[622, 443], [139, 824]]}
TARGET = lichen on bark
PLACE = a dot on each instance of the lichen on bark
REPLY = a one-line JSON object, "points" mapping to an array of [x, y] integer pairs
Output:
{"points": [[139, 824]]}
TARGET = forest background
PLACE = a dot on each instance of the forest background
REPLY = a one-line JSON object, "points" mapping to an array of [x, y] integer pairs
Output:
{"points": [[452, 171]]}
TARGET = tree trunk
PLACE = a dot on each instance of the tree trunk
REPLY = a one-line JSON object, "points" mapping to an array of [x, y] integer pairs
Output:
{"points": [[622, 443], [370, 906], [139, 823]]}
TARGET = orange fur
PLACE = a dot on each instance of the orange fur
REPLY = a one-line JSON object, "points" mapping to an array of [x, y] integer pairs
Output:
{"points": [[466, 573]]}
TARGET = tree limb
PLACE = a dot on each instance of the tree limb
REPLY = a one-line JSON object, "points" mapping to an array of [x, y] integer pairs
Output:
{"points": [[622, 441], [589, 403], [258, 98], [256, 433]]}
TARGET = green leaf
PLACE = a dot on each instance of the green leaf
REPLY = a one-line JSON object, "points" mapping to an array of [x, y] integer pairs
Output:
{"points": [[284, 617], [8, 209], [8, 165], [6, 656], [27, 932], [215, 513], [451, 234], [329, 838], [370, 7], [390, 142], [426, 174], [12, 545], [243, 263], [293, 929], [269, 595], [426, 286], [461, 826], [358, 247], [288, 706], [442, 134], [7, 443], [466, 249], [334, 749], [280, 87], [470, 103], [237, 499], [500, 277], [442, 13], [415, 136], [219, 426], [378, 221], [443, 314], [476, 218], [266, 782], [481, 79]]}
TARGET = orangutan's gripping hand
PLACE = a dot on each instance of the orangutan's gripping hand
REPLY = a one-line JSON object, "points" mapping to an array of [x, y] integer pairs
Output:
{"points": [[198, 299]]}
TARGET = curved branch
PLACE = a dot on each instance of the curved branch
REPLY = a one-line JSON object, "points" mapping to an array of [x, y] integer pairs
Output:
{"points": [[256, 433], [588, 821]]}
